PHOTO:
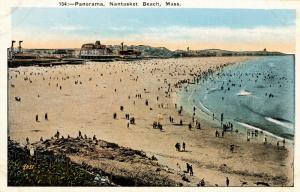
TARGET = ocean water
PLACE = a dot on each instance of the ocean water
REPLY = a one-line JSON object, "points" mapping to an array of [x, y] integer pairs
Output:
{"points": [[257, 94]]}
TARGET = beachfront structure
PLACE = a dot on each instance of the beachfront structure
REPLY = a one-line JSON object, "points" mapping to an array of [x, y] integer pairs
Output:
{"points": [[94, 51], [14, 53], [54, 53], [63, 53], [129, 52]]}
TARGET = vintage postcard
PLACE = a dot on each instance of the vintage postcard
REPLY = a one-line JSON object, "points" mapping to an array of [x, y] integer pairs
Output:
{"points": [[135, 94]]}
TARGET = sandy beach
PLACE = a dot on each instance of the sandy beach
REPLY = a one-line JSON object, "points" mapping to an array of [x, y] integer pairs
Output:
{"points": [[85, 97]]}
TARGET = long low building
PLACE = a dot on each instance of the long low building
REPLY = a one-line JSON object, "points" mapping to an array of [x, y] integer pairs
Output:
{"points": [[96, 51]]}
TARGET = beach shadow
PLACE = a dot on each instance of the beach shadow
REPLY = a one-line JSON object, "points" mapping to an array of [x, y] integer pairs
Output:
{"points": [[35, 130], [179, 125]]}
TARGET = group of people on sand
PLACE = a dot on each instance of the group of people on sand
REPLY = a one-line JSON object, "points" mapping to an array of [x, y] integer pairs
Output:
{"points": [[217, 134], [254, 134], [18, 99], [139, 96], [37, 117], [171, 119], [178, 146], [278, 143], [189, 169], [157, 125], [131, 120]]}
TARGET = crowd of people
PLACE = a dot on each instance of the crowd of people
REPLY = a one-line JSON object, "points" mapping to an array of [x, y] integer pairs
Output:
{"points": [[142, 99]]}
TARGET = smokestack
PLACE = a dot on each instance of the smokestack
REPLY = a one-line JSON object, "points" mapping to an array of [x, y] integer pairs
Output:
{"points": [[122, 46], [20, 47], [12, 43]]}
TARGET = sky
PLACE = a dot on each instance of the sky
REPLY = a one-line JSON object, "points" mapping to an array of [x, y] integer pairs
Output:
{"points": [[230, 29]]}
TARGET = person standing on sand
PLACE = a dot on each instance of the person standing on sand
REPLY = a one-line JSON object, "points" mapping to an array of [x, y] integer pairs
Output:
{"points": [[179, 112], [46, 116], [36, 118], [227, 181], [187, 167], [177, 146], [265, 140], [57, 134], [183, 146], [191, 170], [217, 133], [199, 125], [178, 166]]}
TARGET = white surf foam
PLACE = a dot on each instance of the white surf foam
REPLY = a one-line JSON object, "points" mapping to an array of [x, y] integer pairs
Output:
{"points": [[244, 93], [202, 107], [281, 123]]}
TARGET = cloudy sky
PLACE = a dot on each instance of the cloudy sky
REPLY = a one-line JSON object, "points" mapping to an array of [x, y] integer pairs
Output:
{"points": [[231, 29]]}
